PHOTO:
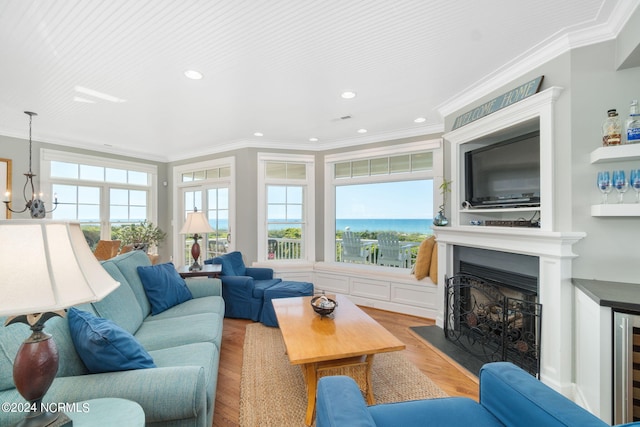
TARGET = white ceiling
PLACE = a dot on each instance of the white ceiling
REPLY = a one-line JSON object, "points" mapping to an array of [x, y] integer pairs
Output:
{"points": [[276, 67]]}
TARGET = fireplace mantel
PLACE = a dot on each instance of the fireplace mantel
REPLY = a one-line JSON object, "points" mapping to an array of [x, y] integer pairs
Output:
{"points": [[555, 253], [526, 241]]}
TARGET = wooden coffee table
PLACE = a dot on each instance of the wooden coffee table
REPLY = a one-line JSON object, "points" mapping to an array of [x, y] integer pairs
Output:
{"points": [[348, 338]]}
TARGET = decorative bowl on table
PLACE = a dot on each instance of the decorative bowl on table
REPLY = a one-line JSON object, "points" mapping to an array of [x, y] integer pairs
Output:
{"points": [[322, 305]]}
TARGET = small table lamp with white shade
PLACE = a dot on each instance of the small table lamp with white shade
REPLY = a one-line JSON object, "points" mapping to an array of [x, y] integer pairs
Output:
{"points": [[46, 266], [196, 223]]}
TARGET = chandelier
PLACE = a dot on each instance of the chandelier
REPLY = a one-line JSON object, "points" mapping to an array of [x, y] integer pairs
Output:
{"points": [[35, 205]]}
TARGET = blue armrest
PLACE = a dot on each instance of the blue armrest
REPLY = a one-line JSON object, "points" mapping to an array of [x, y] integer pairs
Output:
{"points": [[260, 273], [340, 403], [528, 399], [242, 282]]}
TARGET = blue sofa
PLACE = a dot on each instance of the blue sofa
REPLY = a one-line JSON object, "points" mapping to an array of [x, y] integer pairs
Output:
{"points": [[509, 396], [184, 342], [243, 287]]}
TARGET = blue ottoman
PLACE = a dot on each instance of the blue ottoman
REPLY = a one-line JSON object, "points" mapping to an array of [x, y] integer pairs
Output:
{"points": [[282, 290]]}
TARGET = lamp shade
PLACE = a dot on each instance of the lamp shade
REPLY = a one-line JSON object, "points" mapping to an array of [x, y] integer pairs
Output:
{"points": [[196, 223], [47, 266]]}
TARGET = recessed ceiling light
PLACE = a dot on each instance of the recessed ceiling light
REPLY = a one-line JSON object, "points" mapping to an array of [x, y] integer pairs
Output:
{"points": [[193, 74], [313, 139], [420, 120], [348, 95], [258, 134], [362, 131]]}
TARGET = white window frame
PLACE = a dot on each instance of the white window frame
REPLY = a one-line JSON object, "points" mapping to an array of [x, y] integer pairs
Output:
{"points": [[203, 185], [48, 155], [436, 173], [308, 239]]}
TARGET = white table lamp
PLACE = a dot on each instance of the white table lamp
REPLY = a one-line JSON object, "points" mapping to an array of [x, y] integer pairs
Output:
{"points": [[196, 223], [46, 267]]}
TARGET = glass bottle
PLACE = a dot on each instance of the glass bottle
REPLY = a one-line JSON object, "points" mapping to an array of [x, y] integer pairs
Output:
{"points": [[633, 123], [612, 129]]}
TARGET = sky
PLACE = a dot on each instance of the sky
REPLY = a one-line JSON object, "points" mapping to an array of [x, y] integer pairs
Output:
{"points": [[387, 200]]}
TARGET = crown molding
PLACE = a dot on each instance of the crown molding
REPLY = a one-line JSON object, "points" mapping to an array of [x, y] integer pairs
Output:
{"points": [[540, 54], [312, 146]]}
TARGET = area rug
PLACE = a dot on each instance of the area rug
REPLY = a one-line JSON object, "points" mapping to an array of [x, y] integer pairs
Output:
{"points": [[272, 391]]}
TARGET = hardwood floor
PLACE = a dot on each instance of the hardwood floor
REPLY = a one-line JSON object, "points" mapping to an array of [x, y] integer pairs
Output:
{"points": [[453, 380]]}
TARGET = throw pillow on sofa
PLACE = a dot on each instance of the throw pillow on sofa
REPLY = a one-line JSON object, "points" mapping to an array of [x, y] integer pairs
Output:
{"points": [[164, 286], [104, 346]]}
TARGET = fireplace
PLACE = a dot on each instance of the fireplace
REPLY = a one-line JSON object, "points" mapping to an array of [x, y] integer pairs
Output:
{"points": [[494, 315]]}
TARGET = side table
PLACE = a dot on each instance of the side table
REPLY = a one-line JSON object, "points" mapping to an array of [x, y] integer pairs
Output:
{"points": [[208, 270], [107, 412]]}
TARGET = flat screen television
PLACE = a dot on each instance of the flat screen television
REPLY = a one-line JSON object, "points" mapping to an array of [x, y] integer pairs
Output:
{"points": [[504, 174]]}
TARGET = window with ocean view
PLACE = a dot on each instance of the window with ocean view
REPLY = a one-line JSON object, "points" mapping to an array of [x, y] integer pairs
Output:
{"points": [[286, 219], [382, 204], [367, 211], [102, 194]]}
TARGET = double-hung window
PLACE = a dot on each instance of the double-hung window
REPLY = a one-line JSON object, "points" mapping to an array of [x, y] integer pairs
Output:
{"points": [[285, 214], [100, 193], [379, 203]]}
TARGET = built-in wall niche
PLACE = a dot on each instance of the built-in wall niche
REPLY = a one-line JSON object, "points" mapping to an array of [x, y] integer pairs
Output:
{"points": [[520, 186], [503, 174]]}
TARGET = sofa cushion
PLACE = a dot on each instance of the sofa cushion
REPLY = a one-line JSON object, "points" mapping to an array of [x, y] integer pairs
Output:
{"points": [[212, 304], [164, 286], [121, 305], [103, 346], [128, 265], [155, 334]]}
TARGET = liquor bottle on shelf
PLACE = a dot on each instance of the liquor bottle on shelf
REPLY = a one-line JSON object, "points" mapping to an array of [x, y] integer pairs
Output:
{"points": [[633, 123], [612, 129]]}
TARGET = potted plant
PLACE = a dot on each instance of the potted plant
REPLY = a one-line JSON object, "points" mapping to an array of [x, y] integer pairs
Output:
{"points": [[141, 236], [441, 219]]}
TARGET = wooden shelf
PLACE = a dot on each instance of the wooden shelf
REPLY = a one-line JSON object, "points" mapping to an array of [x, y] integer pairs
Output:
{"points": [[616, 209], [615, 153]]}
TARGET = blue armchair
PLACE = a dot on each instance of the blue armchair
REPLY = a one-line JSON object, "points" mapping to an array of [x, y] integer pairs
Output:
{"points": [[509, 396], [243, 287]]}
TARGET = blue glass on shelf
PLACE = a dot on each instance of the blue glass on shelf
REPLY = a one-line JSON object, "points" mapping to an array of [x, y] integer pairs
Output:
{"points": [[634, 181], [620, 183], [604, 184]]}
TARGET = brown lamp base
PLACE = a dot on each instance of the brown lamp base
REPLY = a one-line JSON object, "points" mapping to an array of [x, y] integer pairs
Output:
{"points": [[34, 369], [195, 254], [46, 419]]}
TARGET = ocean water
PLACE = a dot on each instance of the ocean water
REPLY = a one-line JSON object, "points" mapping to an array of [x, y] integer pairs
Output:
{"points": [[422, 226]]}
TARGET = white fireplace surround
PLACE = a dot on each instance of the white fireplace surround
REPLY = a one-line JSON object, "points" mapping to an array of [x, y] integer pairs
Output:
{"points": [[552, 247]]}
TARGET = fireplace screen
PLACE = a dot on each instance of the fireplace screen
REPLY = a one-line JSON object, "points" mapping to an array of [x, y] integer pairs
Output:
{"points": [[490, 325]]}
